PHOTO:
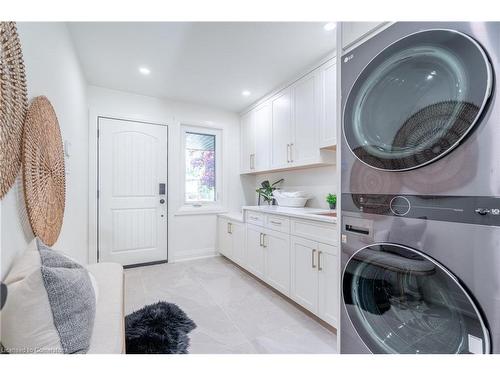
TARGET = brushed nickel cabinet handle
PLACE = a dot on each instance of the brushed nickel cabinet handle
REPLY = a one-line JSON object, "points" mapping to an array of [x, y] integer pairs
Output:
{"points": [[228, 231], [319, 261], [230, 228], [275, 222], [260, 240], [288, 153], [291, 152], [312, 258], [264, 240]]}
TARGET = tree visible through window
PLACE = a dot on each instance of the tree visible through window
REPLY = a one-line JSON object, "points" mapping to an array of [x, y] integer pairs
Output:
{"points": [[200, 167]]}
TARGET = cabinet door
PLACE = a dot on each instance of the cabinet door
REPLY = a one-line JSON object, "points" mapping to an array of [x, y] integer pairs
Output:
{"points": [[305, 144], [255, 252], [262, 136], [281, 129], [224, 238], [328, 112], [304, 265], [277, 260], [328, 292], [247, 141], [238, 243]]}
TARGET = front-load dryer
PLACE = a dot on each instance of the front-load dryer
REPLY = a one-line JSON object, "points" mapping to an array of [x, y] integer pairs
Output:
{"points": [[420, 275], [419, 111]]}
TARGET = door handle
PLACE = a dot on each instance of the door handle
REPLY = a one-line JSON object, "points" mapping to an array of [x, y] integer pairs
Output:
{"points": [[319, 261], [312, 258]]}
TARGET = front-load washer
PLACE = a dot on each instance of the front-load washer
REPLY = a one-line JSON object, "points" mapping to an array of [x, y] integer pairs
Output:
{"points": [[419, 111], [420, 275]]}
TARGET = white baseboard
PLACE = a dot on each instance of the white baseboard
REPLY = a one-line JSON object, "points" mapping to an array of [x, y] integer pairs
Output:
{"points": [[195, 254]]}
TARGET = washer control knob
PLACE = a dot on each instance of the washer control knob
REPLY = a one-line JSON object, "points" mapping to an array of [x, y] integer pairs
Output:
{"points": [[400, 206], [482, 211]]}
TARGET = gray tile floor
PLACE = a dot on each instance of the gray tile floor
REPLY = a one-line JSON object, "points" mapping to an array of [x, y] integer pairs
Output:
{"points": [[234, 312]]}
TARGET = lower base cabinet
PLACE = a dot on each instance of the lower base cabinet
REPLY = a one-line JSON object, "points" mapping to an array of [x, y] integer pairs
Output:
{"points": [[301, 268], [315, 278], [255, 251], [231, 240]]}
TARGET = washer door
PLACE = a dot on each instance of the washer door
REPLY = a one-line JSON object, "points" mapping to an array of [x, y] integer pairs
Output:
{"points": [[417, 99], [401, 301]]}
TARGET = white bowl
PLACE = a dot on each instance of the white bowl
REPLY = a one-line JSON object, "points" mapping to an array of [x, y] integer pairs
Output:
{"points": [[291, 202]]}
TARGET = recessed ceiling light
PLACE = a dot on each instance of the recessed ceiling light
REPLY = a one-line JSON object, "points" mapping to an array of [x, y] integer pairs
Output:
{"points": [[245, 93], [330, 26], [144, 70]]}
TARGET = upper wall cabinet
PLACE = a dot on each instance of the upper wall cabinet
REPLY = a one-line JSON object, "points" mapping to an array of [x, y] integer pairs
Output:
{"points": [[294, 128], [354, 32], [248, 142], [328, 102]]}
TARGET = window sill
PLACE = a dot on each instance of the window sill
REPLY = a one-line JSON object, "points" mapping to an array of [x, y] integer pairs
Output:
{"points": [[203, 210]]}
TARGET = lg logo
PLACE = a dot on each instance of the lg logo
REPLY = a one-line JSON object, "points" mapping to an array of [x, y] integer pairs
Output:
{"points": [[347, 58]]}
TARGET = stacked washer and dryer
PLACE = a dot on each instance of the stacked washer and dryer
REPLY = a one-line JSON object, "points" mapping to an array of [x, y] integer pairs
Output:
{"points": [[421, 191]]}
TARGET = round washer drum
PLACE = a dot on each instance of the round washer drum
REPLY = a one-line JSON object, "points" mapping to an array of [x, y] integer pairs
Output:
{"points": [[417, 99], [401, 301]]}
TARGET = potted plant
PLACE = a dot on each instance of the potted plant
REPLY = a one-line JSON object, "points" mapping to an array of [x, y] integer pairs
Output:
{"points": [[266, 191], [332, 201]]}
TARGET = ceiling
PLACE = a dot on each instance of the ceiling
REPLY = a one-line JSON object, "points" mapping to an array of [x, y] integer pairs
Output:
{"points": [[202, 62]]}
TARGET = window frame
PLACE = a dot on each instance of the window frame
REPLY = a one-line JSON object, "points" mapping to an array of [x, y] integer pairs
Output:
{"points": [[202, 205]]}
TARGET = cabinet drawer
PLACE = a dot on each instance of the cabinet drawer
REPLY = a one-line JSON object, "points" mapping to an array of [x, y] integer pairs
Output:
{"points": [[316, 231], [279, 223], [255, 218]]}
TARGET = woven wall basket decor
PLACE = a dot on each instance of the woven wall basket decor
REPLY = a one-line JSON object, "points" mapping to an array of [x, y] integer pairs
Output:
{"points": [[43, 170], [13, 104]]}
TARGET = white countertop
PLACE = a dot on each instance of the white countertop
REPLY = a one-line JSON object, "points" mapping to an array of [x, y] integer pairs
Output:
{"points": [[235, 216], [302, 213]]}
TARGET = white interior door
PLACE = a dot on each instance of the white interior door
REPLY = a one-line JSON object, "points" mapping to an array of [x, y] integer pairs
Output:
{"points": [[132, 206]]}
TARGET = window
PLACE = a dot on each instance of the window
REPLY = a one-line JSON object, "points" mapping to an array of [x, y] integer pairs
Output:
{"points": [[201, 165]]}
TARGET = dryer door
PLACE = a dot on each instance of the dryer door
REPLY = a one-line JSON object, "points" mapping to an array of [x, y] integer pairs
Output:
{"points": [[417, 99], [401, 301]]}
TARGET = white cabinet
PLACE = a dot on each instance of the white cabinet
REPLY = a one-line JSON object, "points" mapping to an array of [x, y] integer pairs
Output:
{"points": [[304, 288], [353, 32], [329, 284], [315, 281], [277, 260], [255, 250], [304, 143], [297, 257], [248, 142], [328, 105], [295, 127], [231, 239], [224, 238], [238, 243], [281, 129], [262, 128]]}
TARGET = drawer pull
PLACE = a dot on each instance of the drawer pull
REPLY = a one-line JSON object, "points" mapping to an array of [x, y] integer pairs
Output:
{"points": [[312, 258], [319, 261], [254, 218], [275, 222]]}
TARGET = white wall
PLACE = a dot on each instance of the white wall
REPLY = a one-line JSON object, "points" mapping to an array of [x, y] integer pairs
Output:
{"points": [[190, 236], [53, 70], [317, 181]]}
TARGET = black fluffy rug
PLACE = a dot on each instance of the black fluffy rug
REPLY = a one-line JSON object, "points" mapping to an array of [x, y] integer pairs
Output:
{"points": [[160, 328]]}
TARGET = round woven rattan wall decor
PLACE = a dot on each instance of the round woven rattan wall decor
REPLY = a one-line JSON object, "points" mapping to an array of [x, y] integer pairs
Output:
{"points": [[43, 170], [13, 104]]}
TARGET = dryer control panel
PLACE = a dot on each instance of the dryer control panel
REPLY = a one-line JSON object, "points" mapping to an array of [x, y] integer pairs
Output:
{"points": [[460, 209]]}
